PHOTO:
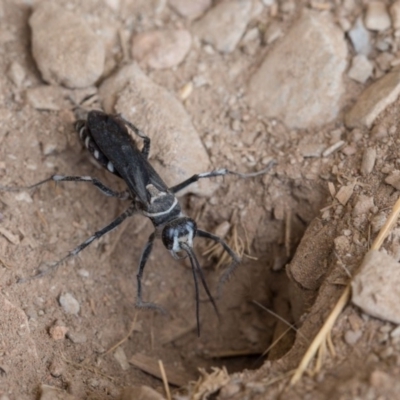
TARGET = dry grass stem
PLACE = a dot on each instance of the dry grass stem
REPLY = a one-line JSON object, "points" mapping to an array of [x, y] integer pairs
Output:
{"points": [[164, 379]]}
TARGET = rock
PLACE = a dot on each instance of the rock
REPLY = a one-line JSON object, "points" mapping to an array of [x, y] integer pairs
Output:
{"points": [[374, 100], [377, 17], [58, 332], [368, 161], [360, 38], [16, 73], [376, 287], [361, 68], [285, 86], [47, 97], [69, 304], [56, 368], [394, 179], [140, 393], [177, 152], [395, 14], [384, 61], [352, 337], [273, 32], [363, 205], [311, 149], [161, 49], [120, 356], [225, 23], [66, 51], [190, 9], [77, 337], [53, 393]]}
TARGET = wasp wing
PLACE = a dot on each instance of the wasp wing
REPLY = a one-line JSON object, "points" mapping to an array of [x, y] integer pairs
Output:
{"points": [[112, 137]]}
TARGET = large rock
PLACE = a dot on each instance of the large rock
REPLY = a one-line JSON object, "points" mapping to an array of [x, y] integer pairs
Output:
{"points": [[176, 149], [300, 80], [66, 51]]}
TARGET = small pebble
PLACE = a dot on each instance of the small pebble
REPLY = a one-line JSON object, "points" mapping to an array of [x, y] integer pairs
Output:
{"points": [[361, 68], [368, 161], [273, 32], [49, 148], [77, 337], [386, 352], [229, 390], [378, 221], [216, 26], [395, 332], [363, 205], [120, 356], [56, 368], [16, 73], [140, 392], [71, 55], [394, 179], [46, 97], [360, 38], [58, 332], [52, 393], [69, 304], [161, 49], [395, 14], [190, 9], [352, 337], [377, 17]]}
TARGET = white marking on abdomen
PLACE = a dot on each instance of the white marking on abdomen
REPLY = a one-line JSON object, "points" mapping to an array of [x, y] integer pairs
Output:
{"points": [[110, 167], [81, 131], [87, 141]]}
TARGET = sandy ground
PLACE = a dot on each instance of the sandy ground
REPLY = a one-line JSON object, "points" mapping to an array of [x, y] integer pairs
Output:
{"points": [[269, 214]]}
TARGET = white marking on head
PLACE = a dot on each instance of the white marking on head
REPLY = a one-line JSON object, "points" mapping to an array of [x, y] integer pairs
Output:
{"points": [[188, 239], [96, 154], [110, 167], [87, 141]]}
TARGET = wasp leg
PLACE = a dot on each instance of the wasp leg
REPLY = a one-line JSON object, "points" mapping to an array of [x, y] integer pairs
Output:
{"points": [[86, 243], [143, 259], [235, 258], [59, 178], [217, 172]]}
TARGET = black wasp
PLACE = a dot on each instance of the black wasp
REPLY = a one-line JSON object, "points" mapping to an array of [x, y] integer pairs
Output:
{"points": [[108, 140]]}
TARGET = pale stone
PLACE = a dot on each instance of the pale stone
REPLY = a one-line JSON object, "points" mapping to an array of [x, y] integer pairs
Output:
{"points": [[66, 51], [361, 68], [300, 80], [377, 16], [360, 38], [395, 14], [224, 24], [190, 9], [176, 149], [376, 287], [374, 100], [161, 49]]}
